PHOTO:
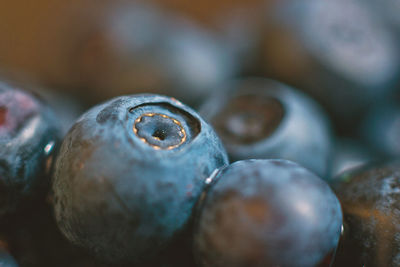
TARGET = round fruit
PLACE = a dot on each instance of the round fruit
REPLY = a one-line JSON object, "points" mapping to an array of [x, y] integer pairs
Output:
{"points": [[129, 174], [261, 118], [370, 197], [29, 134], [267, 213]]}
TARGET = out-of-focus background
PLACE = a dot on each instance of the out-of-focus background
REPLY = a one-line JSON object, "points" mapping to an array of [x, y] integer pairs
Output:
{"points": [[41, 40], [345, 54]]}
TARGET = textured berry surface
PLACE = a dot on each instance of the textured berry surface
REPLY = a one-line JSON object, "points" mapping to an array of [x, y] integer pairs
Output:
{"points": [[29, 134], [129, 174], [267, 213]]}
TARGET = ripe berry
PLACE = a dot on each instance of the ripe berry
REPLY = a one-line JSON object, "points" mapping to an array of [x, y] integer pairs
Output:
{"points": [[129, 173], [29, 134], [267, 213], [261, 118], [370, 197]]}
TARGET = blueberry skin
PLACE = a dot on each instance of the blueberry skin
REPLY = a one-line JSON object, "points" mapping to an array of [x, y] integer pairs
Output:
{"points": [[267, 213], [296, 129], [127, 177], [29, 136], [370, 197]]}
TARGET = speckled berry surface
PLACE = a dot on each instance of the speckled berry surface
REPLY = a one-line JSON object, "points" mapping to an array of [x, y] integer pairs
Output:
{"points": [[129, 174]]}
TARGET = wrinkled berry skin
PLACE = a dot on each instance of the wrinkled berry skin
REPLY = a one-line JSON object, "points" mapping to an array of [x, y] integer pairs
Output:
{"points": [[29, 135], [370, 197], [267, 213], [262, 118], [129, 173]]}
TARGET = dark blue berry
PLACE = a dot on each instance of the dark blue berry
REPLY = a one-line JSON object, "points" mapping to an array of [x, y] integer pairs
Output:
{"points": [[29, 135], [370, 198], [261, 118], [267, 213], [129, 173]]}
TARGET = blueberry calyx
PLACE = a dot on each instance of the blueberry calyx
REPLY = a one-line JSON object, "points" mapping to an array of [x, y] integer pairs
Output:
{"points": [[250, 118], [159, 131]]}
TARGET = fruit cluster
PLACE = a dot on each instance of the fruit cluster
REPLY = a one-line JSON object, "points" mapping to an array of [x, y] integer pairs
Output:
{"points": [[288, 157]]}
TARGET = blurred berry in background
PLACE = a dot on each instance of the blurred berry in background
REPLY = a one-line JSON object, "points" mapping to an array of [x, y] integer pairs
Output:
{"points": [[29, 137], [139, 48], [338, 51], [262, 118]]}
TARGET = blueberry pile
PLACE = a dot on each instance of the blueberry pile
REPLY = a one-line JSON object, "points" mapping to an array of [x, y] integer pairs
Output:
{"points": [[283, 152]]}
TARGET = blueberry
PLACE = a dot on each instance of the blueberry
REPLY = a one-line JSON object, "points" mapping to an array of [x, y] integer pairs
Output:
{"points": [[129, 173], [370, 198], [29, 135], [261, 118], [267, 213], [337, 50]]}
